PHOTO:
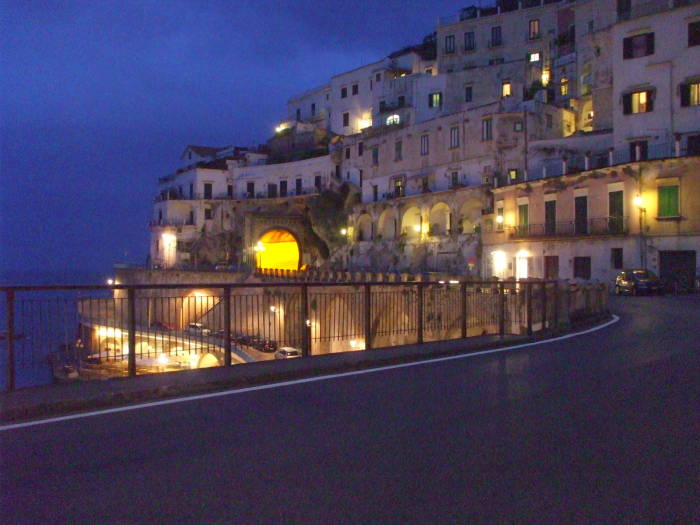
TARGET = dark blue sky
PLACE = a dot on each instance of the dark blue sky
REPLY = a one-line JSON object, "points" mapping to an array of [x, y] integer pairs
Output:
{"points": [[98, 99]]}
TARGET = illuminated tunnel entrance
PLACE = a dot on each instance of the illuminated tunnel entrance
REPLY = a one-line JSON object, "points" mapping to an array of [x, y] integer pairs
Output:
{"points": [[277, 249]]}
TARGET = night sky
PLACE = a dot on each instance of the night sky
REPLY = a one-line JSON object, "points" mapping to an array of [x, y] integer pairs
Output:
{"points": [[98, 99]]}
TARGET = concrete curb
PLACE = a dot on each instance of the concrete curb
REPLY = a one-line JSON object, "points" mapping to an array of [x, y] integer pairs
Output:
{"points": [[37, 403]]}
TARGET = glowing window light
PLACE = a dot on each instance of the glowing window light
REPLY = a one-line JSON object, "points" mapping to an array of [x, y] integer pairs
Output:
{"points": [[500, 262], [393, 119]]}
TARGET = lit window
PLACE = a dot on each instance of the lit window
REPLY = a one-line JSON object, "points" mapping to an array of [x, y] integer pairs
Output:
{"points": [[534, 57], [690, 94], [545, 77], [506, 89], [393, 119], [534, 29], [513, 175], [435, 100], [564, 87], [638, 102]]}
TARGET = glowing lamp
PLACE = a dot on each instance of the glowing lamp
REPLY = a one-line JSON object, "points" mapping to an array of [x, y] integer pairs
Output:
{"points": [[638, 201], [110, 282], [416, 228], [162, 359], [499, 219], [344, 231]]}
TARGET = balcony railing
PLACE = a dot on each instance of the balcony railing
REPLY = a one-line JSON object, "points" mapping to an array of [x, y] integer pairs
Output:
{"points": [[171, 222], [596, 226]]}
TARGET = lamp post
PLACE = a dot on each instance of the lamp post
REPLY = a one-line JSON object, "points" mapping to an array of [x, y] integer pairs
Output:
{"points": [[639, 203]]}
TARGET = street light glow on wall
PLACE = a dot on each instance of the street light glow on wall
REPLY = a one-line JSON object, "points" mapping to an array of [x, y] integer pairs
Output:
{"points": [[639, 201]]}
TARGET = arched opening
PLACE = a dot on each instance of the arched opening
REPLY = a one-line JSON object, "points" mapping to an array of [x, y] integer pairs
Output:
{"points": [[386, 226], [208, 361], [364, 228], [470, 215], [411, 223], [440, 219], [277, 249]]}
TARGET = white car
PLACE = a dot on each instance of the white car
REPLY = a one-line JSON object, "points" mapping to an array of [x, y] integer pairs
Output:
{"points": [[287, 352], [197, 329]]}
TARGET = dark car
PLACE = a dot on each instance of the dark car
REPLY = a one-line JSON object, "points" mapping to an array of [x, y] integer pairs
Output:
{"points": [[636, 282], [266, 345], [161, 326]]}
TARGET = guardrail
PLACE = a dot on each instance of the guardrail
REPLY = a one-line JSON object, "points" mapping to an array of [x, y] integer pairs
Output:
{"points": [[87, 332]]}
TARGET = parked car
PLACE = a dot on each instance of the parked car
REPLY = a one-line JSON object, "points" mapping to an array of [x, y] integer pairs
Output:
{"points": [[161, 326], [287, 352], [266, 345], [637, 282], [197, 329]]}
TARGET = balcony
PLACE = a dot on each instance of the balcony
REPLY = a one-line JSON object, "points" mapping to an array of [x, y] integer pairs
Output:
{"points": [[171, 222], [575, 228]]}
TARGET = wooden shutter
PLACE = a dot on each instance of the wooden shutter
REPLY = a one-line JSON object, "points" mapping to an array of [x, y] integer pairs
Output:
{"points": [[685, 95], [627, 48], [650, 43], [627, 104], [650, 100]]}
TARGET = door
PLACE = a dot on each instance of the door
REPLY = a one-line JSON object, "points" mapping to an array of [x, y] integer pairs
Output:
{"points": [[581, 211], [283, 188], [694, 145], [615, 212], [551, 266], [678, 269]]}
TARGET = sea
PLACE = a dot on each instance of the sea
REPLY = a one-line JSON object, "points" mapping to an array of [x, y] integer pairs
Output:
{"points": [[46, 321]]}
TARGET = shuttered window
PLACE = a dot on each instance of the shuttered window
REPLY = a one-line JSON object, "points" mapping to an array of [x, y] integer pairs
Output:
{"points": [[668, 201], [638, 46]]}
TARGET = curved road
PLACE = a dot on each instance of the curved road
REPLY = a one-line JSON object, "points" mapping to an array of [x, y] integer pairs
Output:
{"points": [[601, 428]]}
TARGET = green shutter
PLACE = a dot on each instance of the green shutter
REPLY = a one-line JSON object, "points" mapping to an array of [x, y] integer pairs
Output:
{"points": [[668, 201]]}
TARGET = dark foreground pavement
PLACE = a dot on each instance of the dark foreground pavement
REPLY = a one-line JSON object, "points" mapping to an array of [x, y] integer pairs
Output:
{"points": [[603, 428]]}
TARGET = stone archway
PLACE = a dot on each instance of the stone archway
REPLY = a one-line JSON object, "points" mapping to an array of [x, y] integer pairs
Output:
{"points": [[278, 249]]}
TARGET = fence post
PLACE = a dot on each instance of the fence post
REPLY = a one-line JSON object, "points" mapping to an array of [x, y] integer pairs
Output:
{"points": [[368, 316], [227, 326], [131, 320], [529, 307], [463, 297], [544, 306], [419, 335], [306, 327], [501, 310], [10, 299]]}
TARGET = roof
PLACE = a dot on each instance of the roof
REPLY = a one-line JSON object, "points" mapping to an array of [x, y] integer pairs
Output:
{"points": [[204, 151]]}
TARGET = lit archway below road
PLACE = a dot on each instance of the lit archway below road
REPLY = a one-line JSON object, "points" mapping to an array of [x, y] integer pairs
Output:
{"points": [[277, 249]]}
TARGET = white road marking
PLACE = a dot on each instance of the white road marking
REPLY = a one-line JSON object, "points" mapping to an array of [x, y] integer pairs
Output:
{"points": [[314, 379]]}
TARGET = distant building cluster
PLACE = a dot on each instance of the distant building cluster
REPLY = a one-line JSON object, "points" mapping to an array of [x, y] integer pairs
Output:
{"points": [[532, 139]]}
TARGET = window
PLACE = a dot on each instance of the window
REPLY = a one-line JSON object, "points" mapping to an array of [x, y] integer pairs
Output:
{"points": [[355, 89], [582, 267], [581, 215], [694, 34], [272, 191], [513, 175], [208, 214], [429, 71], [639, 150], [375, 156], [638, 102], [469, 41], [506, 89], [487, 129], [398, 188], [523, 218], [398, 150], [534, 31], [250, 190], [347, 153], [393, 119], [191, 217], [191, 190], [375, 192], [346, 119], [450, 44], [638, 46], [454, 137], [298, 186], [283, 188], [468, 93], [668, 201], [533, 57], [378, 77], [382, 106], [496, 39], [313, 109], [690, 94], [549, 121], [298, 114], [425, 185], [229, 191], [454, 179], [616, 258], [207, 190], [402, 101], [317, 182], [518, 125], [360, 148], [435, 100], [425, 144], [499, 218], [564, 87], [344, 92], [550, 217]]}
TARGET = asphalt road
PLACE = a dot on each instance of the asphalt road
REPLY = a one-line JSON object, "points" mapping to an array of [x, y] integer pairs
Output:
{"points": [[603, 428]]}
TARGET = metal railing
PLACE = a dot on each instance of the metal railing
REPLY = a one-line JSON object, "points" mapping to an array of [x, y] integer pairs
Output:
{"points": [[84, 332], [595, 226]]}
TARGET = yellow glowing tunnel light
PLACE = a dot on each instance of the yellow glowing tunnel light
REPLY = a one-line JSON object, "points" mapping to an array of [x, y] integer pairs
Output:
{"points": [[277, 249]]}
